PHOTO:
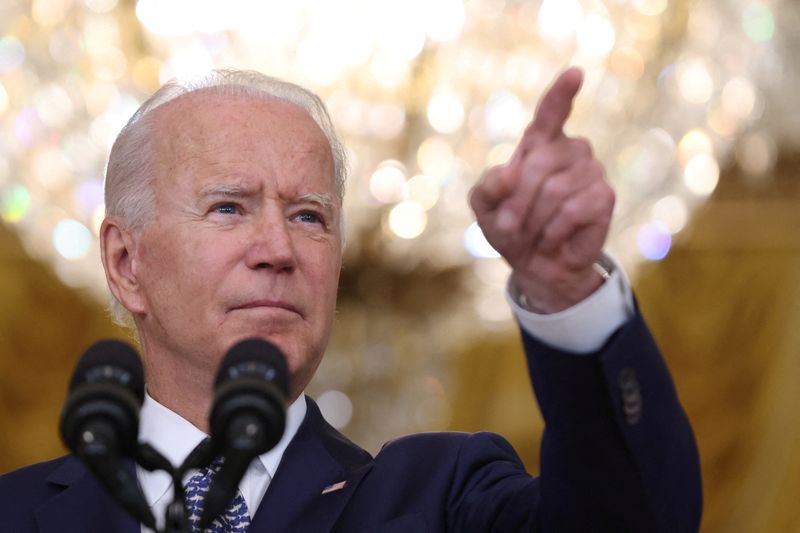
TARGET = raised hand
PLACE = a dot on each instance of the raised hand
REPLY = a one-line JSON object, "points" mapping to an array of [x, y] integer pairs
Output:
{"points": [[547, 211]]}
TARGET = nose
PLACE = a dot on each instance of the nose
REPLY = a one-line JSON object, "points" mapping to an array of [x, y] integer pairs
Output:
{"points": [[271, 246]]}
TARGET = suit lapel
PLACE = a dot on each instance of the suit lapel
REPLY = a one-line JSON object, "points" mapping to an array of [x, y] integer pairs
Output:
{"points": [[83, 505], [318, 474]]}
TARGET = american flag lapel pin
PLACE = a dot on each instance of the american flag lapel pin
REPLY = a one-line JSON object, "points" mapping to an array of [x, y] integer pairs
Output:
{"points": [[336, 486]]}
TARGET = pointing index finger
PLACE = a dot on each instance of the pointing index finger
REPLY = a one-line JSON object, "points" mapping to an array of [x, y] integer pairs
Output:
{"points": [[554, 107]]}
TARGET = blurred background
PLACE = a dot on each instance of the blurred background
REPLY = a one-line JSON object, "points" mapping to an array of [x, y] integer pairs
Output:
{"points": [[691, 105]]}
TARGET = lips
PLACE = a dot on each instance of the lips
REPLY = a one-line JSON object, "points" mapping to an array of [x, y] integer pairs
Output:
{"points": [[269, 304]]}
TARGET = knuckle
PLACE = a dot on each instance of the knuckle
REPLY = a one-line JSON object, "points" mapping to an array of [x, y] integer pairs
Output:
{"points": [[609, 195], [551, 235], [572, 212], [472, 199], [491, 173], [538, 162], [605, 193], [555, 189], [595, 170], [583, 147]]}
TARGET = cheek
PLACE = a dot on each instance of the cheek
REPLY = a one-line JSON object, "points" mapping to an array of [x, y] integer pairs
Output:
{"points": [[184, 270], [322, 273], [328, 270], [160, 284]]}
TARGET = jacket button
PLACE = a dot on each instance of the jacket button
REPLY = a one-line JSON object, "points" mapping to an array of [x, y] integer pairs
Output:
{"points": [[631, 396]]}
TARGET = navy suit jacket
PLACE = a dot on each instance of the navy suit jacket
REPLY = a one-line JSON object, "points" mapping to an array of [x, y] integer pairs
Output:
{"points": [[617, 455]]}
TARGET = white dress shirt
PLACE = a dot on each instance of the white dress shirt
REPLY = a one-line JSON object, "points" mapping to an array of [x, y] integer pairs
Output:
{"points": [[175, 437], [586, 326], [582, 328]]}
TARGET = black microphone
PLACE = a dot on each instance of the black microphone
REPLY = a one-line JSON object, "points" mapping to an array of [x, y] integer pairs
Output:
{"points": [[248, 415], [100, 420]]}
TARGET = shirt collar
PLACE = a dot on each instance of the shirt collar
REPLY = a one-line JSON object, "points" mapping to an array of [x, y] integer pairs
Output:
{"points": [[174, 437], [295, 414]]}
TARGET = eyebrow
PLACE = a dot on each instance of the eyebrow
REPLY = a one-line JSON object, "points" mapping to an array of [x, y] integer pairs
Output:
{"points": [[228, 189], [324, 199]]}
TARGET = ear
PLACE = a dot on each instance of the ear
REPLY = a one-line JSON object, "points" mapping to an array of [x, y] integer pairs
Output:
{"points": [[118, 253]]}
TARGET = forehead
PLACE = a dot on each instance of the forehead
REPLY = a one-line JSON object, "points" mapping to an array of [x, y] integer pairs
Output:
{"points": [[213, 128], [200, 104]]}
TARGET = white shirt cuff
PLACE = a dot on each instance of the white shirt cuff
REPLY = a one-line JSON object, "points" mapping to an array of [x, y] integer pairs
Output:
{"points": [[586, 326]]}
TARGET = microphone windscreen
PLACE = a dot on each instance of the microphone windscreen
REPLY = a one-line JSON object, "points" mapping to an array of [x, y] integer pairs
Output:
{"points": [[257, 358], [110, 360]]}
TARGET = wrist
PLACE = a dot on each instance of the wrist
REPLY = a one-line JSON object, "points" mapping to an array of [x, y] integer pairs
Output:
{"points": [[547, 296]]}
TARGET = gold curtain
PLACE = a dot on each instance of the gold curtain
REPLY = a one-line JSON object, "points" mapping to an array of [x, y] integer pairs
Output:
{"points": [[725, 307], [44, 326]]}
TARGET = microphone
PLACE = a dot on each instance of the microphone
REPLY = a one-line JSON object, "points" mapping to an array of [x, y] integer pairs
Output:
{"points": [[248, 415], [100, 420]]}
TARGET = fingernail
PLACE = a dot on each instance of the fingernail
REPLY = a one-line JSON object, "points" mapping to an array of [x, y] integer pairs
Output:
{"points": [[506, 220]]}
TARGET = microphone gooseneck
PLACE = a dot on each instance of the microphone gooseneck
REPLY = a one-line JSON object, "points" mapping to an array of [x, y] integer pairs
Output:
{"points": [[248, 415], [100, 420]]}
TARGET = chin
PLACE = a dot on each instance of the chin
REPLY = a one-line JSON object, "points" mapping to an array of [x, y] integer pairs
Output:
{"points": [[300, 351], [290, 347]]}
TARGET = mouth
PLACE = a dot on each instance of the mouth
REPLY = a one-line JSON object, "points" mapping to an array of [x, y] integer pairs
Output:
{"points": [[269, 305]]}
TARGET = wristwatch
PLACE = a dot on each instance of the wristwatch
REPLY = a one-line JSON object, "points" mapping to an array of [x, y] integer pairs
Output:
{"points": [[603, 266]]}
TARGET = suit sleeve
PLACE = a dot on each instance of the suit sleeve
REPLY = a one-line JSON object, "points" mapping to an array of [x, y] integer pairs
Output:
{"points": [[618, 453]]}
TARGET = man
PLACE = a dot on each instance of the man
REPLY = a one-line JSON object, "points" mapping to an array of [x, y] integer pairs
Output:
{"points": [[224, 221]]}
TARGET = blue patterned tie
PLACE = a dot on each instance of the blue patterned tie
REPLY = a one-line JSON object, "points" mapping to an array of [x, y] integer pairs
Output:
{"points": [[235, 518]]}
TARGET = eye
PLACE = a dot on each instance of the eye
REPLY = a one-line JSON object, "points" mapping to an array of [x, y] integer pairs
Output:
{"points": [[310, 217], [227, 209]]}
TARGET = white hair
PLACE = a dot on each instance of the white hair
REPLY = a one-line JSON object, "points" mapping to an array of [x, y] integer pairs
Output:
{"points": [[129, 192]]}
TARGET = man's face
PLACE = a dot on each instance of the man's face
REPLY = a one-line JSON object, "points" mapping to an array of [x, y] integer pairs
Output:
{"points": [[246, 237]]}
